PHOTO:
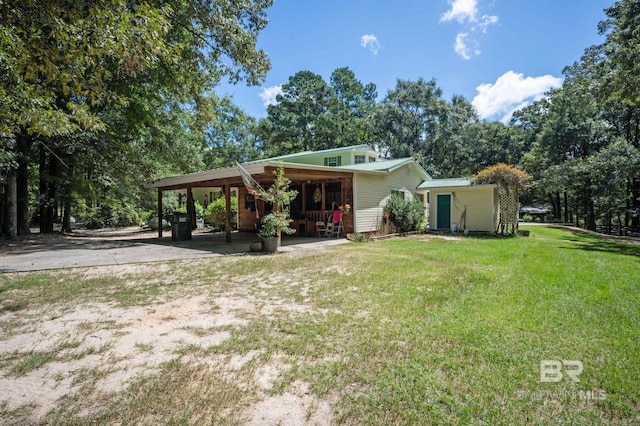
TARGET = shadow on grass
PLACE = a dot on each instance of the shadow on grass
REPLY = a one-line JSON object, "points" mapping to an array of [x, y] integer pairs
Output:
{"points": [[12, 307], [589, 241]]}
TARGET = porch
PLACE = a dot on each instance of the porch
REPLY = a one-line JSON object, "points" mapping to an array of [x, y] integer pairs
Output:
{"points": [[319, 194]]}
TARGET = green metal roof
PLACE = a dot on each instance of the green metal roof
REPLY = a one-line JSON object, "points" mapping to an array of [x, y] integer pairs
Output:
{"points": [[384, 166], [376, 166], [445, 183], [311, 153]]}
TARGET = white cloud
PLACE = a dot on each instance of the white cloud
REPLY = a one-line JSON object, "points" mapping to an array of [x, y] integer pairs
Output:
{"points": [[485, 22], [461, 11], [370, 41], [464, 47], [269, 94], [465, 12], [511, 92]]}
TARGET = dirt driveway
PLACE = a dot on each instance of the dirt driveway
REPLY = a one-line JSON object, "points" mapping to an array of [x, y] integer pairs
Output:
{"points": [[128, 245]]}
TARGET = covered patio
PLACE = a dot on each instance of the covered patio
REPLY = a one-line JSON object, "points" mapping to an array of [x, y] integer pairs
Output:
{"points": [[320, 191]]}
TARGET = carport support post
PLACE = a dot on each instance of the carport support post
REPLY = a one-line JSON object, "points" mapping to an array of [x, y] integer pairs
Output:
{"points": [[159, 213], [227, 222], [191, 211]]}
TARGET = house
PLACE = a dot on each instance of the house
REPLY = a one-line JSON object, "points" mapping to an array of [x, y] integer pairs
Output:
{"points": [[351, 175], [455, 204]]}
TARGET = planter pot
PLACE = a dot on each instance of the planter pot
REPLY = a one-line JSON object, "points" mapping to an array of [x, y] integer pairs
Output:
{"points": [[270, 244], [255, 246]]}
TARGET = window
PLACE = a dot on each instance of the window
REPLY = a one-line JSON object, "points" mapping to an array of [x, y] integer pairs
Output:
{"points": [[372, 159], [333, 161], [359, 159]]}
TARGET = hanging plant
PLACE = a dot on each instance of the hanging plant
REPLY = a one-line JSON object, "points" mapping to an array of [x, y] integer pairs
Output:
{"points": [[317, 195]]}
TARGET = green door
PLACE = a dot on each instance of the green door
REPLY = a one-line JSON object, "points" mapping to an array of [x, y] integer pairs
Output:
{"points": [[444, 211]]}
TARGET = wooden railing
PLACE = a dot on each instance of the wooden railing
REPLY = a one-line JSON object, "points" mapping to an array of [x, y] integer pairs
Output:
{"points": [[317, 215]]}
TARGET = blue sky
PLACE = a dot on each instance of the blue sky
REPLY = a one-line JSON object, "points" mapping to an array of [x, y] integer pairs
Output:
{"points": [[499, 54]]}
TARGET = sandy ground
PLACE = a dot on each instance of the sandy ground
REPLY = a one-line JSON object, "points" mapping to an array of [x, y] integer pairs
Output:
{"points": [[112, 346], [118, 345]]}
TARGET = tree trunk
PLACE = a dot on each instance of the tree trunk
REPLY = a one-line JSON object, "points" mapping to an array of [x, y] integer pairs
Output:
{"points": [[42, 190], [553, 205], [66, 201], [591, 215], [635, 204], [566, 207], [10, 208], [48, 173], [24, 142]]}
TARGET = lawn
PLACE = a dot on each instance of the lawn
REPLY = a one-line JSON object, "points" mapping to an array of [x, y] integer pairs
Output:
{"points": [[417, 330]]}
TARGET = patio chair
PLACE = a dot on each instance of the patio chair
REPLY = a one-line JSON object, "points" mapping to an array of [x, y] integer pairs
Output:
{"points": [[330, 229], [337, 223], [321, 229]]}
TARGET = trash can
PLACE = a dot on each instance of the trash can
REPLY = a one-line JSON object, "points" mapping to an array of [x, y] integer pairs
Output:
{"points": [[180, 227]]}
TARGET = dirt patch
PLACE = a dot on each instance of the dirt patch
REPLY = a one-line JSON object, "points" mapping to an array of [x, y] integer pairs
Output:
{"points": [[296, 406], [95, 349]]}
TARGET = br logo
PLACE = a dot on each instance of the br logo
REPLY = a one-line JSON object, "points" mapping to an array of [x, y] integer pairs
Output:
{"points": [[552, 371]]}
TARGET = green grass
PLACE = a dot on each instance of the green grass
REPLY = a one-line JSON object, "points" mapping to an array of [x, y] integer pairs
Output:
{"points": [[402, 331]]}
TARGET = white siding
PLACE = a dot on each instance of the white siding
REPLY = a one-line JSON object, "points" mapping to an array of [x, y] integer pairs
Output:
{"points": [[371, 192]]}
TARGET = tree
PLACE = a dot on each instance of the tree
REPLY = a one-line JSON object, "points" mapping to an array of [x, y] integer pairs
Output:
{"points": [[230, 136], [72, 62], [313, 115], [614, 169], [280, 196], [299, 121], [511, 183], [409, 120], [351, 109], [567, 128]]}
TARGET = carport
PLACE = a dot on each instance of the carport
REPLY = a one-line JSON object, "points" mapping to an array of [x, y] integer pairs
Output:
{"points": [[317, 188]]}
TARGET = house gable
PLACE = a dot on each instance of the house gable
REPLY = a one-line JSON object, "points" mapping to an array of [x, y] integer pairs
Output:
{"points": [[336, 157], [372, 189]]}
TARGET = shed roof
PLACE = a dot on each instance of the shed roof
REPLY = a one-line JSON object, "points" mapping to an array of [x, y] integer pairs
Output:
{"points": [[445, 183]]}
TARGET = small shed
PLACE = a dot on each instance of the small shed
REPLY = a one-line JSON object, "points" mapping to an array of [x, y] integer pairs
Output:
{"points": [[456, 204]]}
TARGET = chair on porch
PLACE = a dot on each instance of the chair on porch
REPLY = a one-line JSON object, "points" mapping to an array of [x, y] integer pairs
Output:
{"points": [[321, 229], [336, 224]]}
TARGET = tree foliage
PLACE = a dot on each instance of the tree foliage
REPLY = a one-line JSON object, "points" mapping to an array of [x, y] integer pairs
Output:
{"points": [[504, 175], [116, 83], [280, 196], [312, 114]]}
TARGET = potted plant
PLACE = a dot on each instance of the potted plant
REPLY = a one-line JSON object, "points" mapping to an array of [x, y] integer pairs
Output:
{"points": [[278, 221], [272, 227]]}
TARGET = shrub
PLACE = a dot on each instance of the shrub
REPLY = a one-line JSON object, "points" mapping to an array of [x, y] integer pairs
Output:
{"points": [[215, 214], [527, 218], [274, 222], [110, 216], [406, 214], [358, 237]]}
